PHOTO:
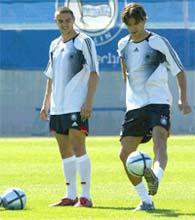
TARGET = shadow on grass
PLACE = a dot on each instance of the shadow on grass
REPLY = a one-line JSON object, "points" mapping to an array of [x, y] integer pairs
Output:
{"points": [[171, 213], [157, 212], [113, 208], [20, 210]]}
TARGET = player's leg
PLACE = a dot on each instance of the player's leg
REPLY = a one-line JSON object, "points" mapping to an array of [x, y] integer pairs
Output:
{"points": [[68, 159], [154, 175], [65, 148], [160, 136], [160, 124], [133, 133], [69, 167], [77, 138], [130, 144]]}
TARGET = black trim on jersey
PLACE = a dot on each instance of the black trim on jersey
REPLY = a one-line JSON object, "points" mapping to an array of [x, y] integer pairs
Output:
{"points": [[172, 53], [88, 43], [73, 39], [146, 38], [60, 38], [51, 54]]}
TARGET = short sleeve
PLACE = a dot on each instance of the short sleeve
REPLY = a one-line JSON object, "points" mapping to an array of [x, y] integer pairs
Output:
{"points": [[49, 70], [119, 51], [90, 54], [121, 45], [173, 62]]}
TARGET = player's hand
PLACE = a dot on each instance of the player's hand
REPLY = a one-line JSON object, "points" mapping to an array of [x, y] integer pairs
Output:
{"points": [[184, 107], [44, 114], [86, 110]]}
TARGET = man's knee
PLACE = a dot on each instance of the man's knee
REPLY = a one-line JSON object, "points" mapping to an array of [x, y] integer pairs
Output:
{"points": [[77, 139], [129, 144], [76, 136], [123, 156]]}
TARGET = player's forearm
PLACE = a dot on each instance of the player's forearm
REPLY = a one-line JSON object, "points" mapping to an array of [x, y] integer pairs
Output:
{"points": [[92, 85], [123, 68], [46, 100], [182, 85]]}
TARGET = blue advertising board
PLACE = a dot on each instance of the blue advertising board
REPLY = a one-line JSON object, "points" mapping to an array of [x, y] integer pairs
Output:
{"points": [[27, 28], [28, 49]]}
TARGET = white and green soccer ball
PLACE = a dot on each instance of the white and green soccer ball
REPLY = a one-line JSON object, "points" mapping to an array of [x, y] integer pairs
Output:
{"points": [[13, 199], [137, 162]]}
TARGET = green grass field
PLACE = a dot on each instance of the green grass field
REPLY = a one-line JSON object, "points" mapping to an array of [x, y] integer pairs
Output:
{"points": [[34, 165]]}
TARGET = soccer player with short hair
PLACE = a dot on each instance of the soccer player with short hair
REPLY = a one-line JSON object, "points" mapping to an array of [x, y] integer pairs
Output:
{"points": [[72, 74], [146, 60]]}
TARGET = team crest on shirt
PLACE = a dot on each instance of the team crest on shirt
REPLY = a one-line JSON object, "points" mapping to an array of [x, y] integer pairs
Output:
{"points": [[73, 117], [163, 120], [97, 18]]}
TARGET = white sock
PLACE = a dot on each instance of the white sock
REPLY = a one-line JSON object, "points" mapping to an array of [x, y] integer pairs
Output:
{"points": [[84, 168], [159, 172], [69, 165], [143, 193]]}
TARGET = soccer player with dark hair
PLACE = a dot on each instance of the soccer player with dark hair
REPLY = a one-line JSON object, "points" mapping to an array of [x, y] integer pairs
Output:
{"points": [[72, 74], [146, 60]]}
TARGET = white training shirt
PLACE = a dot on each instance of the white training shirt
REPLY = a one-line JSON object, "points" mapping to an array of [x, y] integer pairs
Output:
{"points": [[69, 67], [148, 63]]}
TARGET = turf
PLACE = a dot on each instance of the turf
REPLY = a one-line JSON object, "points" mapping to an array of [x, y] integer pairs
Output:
{"points": [[34, 165]]}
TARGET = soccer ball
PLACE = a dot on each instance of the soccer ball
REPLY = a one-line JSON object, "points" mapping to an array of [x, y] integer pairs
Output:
{"points": [[13, 199], [137, 162]]}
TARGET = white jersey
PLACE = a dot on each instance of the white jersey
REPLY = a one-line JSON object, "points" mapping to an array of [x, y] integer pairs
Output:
{"points": [[69, 67], [148, 63]]}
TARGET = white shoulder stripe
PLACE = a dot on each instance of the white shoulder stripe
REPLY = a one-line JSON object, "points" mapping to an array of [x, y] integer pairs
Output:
{"points": [[88, 43], [172, 52]]}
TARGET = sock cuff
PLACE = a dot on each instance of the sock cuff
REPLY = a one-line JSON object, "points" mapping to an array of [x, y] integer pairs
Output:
{"points": [[159, 172], [69, 159], [82, 158], [158, 168], [161, 169], [139, 185]]}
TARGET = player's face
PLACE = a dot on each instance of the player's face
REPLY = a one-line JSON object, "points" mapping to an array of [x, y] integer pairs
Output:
{"points": [[65, 23], [134, 28]]}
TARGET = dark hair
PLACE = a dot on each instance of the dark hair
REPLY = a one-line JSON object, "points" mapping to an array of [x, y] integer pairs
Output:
{"points": [[63, 10], [133, 10]]}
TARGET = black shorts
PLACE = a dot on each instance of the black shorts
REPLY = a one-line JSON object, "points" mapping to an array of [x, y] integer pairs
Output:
{"points": [[140, 122], [62, 123]]}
